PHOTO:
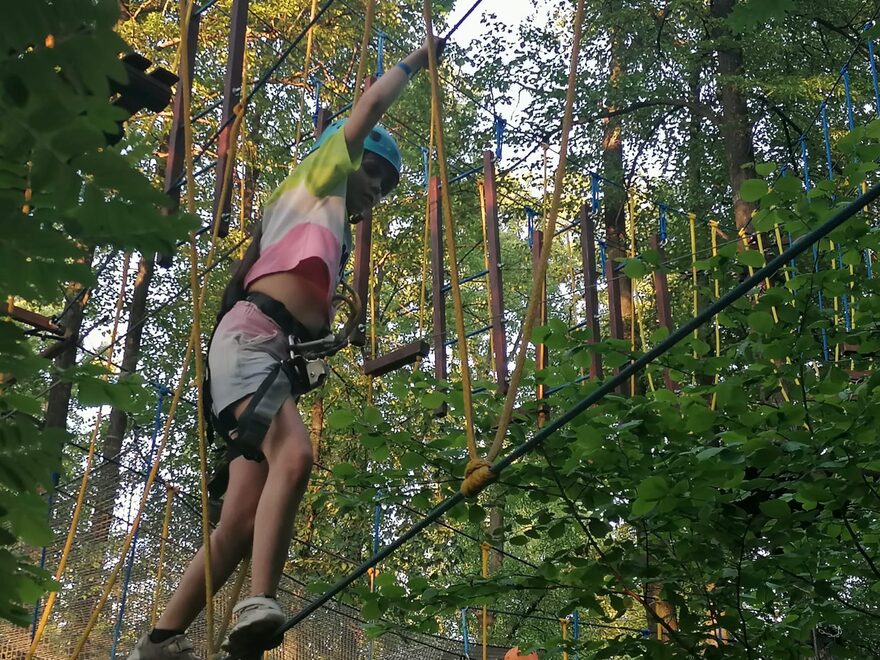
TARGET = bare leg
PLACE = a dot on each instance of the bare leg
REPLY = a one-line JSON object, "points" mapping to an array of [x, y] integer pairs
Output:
{"points": [[229, 544], [288, 451]]}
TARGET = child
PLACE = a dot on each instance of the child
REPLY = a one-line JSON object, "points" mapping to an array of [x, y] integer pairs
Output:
{"points": [[284, 286]]}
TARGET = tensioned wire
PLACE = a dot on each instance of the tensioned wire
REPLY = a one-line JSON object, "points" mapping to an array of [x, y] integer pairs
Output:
{"points": [[682, 332]]}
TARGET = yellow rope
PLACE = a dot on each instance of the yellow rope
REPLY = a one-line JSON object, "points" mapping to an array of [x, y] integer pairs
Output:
{"points": [[564, 623], [484, 551], [692, 222], [767, 286], [306, 64], [836, 302], [365, 44], [151, 477], [68, 544], [481, 190], [163, 541], [473, 486], [198, 296], [713, 224], [477, 470], [196, 332], [234, 593], [84, 482]]}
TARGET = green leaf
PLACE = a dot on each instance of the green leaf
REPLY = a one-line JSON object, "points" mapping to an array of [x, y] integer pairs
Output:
{"points": [[433, 400], [765, 169], [709, 452], [653, 488], [642, 507], [753, 189], [751, 258], [411, 461], [775, 508], [341, 418], [761, 322], [634, 268]]}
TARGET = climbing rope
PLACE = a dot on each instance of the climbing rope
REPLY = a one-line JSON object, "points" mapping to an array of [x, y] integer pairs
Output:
{"points": [[484, 624], [196, 331], [163, 542], [365, 45], [681, 333], [475, 464], [193, 346], [310, 37], [40, 628], [482, 475]]}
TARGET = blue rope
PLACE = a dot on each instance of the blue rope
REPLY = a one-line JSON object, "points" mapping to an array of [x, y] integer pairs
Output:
{"points": [[318, 85], [827, 139], [602, 257], [851, 120], [500, 123], [594, 192], [50, 503], [807, 187], [380, 55], [377, 522], [825, 133], [162, 392], [874, 72], [576, 629], [868, 264], [847, 317], [424, 167], [662, 230], [530, 224], [464, 633]]}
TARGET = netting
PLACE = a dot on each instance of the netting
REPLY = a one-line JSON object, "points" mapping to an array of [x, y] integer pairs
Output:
{"points": [[335, 632]]}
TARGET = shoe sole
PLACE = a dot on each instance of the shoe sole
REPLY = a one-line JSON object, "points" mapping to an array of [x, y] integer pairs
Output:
{"points": [[250, 641]]}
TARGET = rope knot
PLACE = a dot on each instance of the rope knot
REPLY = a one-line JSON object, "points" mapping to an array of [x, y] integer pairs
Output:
{"points": [[477, 475]]}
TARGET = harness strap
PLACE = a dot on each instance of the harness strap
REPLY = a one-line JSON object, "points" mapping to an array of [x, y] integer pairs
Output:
{"points": [[276, 311]]}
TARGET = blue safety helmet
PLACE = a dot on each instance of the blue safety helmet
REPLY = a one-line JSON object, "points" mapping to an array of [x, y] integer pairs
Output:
{"points": [[379, 142]]}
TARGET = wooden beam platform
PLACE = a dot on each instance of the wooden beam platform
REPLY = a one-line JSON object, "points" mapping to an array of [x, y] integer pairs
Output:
{"points": [[32, 319], [396, 359]]}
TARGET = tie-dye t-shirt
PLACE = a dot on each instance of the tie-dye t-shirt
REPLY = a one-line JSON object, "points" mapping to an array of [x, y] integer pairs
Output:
{"points": [[305, 222]]}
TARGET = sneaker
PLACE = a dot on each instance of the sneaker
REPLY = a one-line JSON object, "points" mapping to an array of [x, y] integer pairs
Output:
{"points": [[173, 648], [259, 618]]}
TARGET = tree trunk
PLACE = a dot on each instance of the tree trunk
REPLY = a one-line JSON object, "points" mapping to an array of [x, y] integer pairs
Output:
{"points": [[58, 402], [735, 125], [107, 479], [612, 167]]}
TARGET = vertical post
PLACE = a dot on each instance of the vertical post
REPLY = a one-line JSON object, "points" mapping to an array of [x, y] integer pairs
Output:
{"points": [[322, 119], [464, 633], [615, 316], [591, 286], [363, 248], [438, 300], [157, 424], [496, 287], [664, 309], [540, 317], [231, 98], [176, 138]]}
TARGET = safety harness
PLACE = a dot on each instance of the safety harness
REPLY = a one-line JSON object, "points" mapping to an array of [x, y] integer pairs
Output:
{"points": [[303, 371]]}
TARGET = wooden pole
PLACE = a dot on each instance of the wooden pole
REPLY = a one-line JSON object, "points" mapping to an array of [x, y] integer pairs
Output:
{"points": [[496, 287]]}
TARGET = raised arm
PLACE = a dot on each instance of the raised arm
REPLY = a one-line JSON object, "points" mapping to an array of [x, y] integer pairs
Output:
{"points": [[381, 95]]}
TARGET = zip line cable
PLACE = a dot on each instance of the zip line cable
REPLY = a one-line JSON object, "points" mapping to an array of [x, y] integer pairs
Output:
{"points": [[797, 248]]}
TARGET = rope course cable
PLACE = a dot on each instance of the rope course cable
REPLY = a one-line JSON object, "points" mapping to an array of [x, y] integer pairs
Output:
{"points": [[797, 248]]}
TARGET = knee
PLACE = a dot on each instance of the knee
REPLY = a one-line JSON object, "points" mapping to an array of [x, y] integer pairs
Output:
{"points": [[296, 459], [237, 523]]}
